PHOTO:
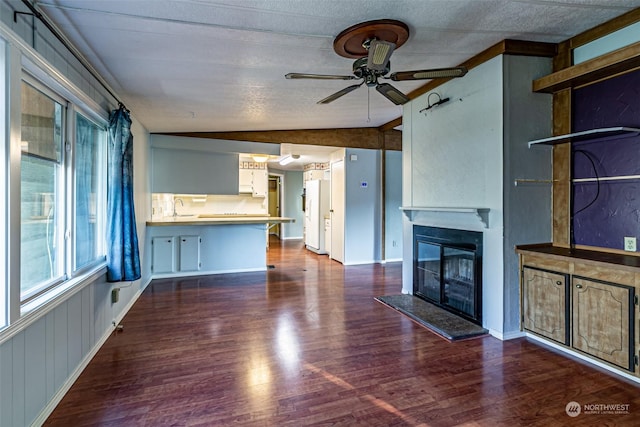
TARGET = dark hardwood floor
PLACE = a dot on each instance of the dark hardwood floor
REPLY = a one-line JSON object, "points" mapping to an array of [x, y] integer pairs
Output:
{"points": [[306, 344]]}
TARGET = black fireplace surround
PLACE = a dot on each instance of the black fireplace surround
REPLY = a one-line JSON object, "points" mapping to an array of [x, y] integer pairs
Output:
{"points": [[447, 269]]}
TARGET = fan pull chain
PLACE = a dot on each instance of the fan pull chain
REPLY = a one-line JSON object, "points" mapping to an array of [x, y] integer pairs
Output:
{"points": [[368, 104]]}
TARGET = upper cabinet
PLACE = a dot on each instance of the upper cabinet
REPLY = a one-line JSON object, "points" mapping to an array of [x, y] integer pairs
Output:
{"points": [[254, 182]]}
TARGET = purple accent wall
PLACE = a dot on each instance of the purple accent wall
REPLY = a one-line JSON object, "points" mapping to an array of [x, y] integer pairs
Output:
{"points": [[604, 215]]}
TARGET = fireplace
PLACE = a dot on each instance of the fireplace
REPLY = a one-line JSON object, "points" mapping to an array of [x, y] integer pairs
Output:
{"points": [[447, 269]]}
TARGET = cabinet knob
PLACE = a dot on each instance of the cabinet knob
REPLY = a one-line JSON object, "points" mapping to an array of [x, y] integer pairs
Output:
{"points": [[579, 286], [558, 282]]}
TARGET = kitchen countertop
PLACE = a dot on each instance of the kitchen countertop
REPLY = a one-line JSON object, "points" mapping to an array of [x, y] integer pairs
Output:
{"points": [[215, 219]]}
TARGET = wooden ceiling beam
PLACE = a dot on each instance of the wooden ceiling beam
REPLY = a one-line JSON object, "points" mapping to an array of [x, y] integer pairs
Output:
{"points": [[369, 138]]}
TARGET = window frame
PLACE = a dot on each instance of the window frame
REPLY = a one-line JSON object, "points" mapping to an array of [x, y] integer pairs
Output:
{"points": [[19, 59], [101, 196], [61, 220], [66, 187]]}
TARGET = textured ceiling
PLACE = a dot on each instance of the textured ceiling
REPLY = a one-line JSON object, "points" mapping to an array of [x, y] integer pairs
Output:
{"points": [[205, 65]]}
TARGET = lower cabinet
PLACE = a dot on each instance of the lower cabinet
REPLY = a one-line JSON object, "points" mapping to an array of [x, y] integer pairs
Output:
{"points": [[163, 259], [545, 308], [603, 321], [588, 307], [189, 253], [171, 257]]}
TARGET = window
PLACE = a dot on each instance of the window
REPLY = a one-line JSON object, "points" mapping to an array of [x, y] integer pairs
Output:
{"points": [[41, 192], [90, 194], [62, 189]]}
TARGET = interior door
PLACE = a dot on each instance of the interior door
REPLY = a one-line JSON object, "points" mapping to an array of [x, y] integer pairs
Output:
{"points": [[274, 202], [336, 251]]}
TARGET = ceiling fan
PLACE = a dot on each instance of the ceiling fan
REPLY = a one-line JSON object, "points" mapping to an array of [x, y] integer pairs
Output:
{"points": [[372, 44]]}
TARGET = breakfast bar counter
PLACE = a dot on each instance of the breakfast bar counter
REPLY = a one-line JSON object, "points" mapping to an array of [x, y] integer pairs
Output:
{"points": [[209, 244]]}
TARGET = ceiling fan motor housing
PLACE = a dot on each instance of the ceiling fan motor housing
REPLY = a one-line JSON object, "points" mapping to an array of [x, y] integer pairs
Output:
{"points": [[361, 71]]}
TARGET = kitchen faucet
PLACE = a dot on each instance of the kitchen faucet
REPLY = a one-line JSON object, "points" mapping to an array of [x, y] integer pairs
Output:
{"points": [[175, 201]]}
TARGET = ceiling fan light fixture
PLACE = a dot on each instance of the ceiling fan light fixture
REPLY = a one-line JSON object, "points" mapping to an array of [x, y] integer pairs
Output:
{"points": [[392, 94], [379, 54]]}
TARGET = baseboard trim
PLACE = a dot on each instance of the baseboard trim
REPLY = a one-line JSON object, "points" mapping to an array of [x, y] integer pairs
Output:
{"points": [[506, 336], [582, 357], [206, 273]]}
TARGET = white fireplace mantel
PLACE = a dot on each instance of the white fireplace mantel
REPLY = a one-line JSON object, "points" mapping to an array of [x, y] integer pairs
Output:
{"points": [[477, 216]]}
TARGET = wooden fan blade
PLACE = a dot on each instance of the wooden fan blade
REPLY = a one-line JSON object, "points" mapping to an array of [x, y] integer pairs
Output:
{"points": [[434, 73], [318, 76], [338, 94]]}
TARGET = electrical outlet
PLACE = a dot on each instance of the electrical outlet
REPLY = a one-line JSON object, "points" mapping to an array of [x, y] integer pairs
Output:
{"points": [[630, 244], [115, 295]]}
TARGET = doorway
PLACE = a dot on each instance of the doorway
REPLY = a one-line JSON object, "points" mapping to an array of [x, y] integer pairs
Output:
{"points": [[275, 202]]}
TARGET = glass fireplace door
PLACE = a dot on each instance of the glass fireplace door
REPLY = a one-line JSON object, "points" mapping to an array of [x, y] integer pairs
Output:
{"points": [[459, 277], [428, 271]]}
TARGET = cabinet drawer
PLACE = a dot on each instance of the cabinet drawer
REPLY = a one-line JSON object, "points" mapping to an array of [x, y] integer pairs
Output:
{"points": [[603, 316], [545, 263], [605, 274], [545, 308]]}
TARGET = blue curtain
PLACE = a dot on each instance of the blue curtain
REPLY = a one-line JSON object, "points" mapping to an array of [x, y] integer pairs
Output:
{"points": [[123, 258]]}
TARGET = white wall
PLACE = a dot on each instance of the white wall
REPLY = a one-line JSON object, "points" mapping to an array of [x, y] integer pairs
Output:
{"points": [[393, 201], [467, 153], [455, 160], [362, 207]]}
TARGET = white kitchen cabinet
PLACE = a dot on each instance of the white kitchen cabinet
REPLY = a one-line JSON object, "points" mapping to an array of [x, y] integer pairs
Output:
{"points": [[254, 182], [163, 254], [327, 235], [245, 181], [189, 253], [260, 183], [313, 174], [169, 257]]}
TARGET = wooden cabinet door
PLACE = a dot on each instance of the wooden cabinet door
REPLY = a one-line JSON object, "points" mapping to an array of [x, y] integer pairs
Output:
{"points": [[602, 320], [545, 303]]}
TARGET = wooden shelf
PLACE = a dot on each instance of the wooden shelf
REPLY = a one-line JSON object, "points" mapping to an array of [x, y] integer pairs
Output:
{"points": [[604, 66], [586, 135]]}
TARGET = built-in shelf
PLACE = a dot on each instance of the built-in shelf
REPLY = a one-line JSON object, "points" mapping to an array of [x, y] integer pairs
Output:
{"points": [[467, 215], [586, 135], [619, 61]]}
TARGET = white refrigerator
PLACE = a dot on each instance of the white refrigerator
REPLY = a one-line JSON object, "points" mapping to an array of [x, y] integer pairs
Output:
{"points": [[316, 209]]}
